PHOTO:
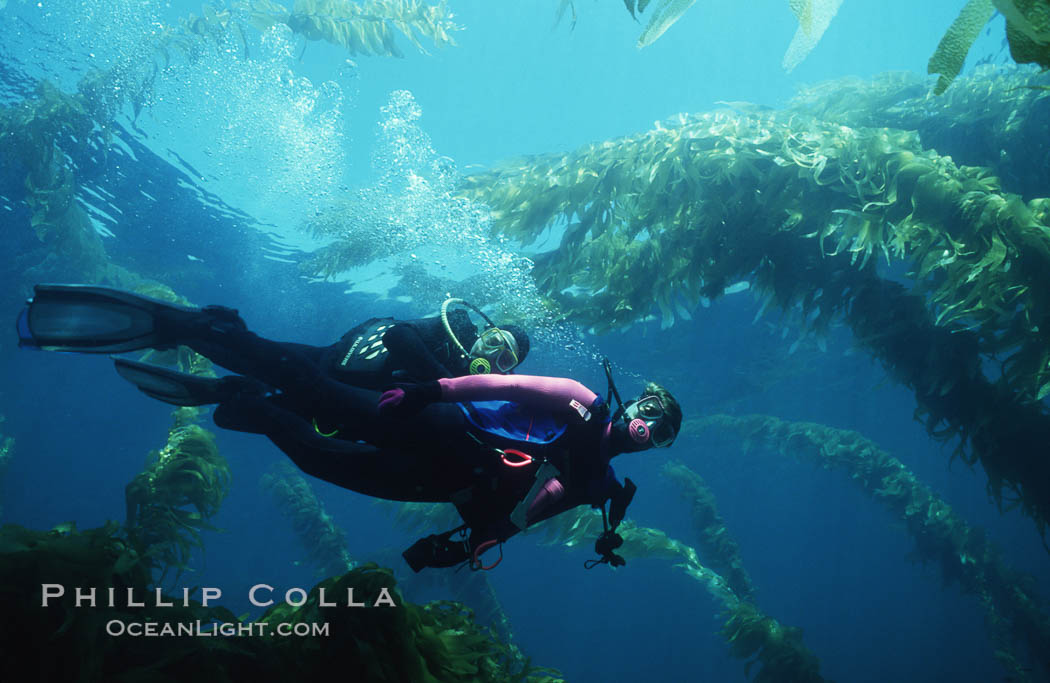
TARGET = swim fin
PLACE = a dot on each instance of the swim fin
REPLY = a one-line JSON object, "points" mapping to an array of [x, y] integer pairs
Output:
{"points": [[182, 389], [90, 319]]}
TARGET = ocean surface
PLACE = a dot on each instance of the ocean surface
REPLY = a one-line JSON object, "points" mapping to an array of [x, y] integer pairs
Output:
{"points": [[208, 178]]}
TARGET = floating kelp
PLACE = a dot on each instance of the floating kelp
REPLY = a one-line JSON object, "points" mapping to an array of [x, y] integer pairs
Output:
{"points": [[1012, 609], [998, 117], [170, 502], [366, 28], [798, 207], [219, 28], [402, 642], [325, 543], [717, 546], [31, 135], [750, 634]]}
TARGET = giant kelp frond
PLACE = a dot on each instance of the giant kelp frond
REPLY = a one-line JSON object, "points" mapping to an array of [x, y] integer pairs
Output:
{"points": [[814, 17], [685, 208], [951, 52], [1027, 30], [799, 207], [35, 136], [170, 502], [997, 117], [717, 546], [366, 28], [964, 554], [422, 518], [324, 541], [665, 13], [778, 648]]}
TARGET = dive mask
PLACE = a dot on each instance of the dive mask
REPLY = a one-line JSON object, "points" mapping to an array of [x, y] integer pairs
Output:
{"points": [[647, 423], [495, 348]]}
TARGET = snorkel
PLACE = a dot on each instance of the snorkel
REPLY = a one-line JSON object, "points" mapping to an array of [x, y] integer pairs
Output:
{"points": [[607, 366]]}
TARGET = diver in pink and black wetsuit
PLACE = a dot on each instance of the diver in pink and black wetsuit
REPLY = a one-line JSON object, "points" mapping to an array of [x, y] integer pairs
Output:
{"points": [[507, 450], [549, 441]]}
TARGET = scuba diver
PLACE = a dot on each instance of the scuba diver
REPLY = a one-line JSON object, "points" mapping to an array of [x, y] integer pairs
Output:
{"points": [[381, 349], [506, 450]]}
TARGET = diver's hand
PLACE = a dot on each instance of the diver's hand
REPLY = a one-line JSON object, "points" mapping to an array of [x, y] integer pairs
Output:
{"points": [[405, 400]]}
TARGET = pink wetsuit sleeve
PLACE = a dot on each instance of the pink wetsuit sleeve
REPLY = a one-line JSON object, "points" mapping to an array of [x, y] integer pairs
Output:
{"points": [[553, 393]]}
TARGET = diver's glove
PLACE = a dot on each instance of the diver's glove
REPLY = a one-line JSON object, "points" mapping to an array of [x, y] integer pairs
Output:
{"points": [[438, 550], [405, 400]]}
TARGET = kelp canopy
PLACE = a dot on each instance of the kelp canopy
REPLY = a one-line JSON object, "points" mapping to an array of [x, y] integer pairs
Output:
{"points": [[806, 209], [367, 28], [999, 118]]}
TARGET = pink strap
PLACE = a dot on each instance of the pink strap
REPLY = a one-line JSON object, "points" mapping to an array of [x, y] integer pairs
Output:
{"points": [[551, 393]]}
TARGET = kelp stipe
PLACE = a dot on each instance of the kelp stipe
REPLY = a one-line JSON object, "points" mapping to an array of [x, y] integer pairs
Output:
{"points": [[324, 541]]}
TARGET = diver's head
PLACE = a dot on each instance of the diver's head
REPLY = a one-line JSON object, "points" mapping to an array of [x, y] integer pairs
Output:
{"points": [[498, 349], [521, 338], [650, 421]]}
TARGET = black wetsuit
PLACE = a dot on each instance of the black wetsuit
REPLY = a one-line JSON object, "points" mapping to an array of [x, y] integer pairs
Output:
{"points": [[384, 350]]}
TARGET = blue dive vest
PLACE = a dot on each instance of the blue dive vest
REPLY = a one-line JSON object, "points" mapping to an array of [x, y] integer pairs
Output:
{"points": [[513, 422]]}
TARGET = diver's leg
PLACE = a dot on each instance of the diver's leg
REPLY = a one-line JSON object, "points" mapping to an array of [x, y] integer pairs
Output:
{"points": [[221, 335], [353, 415], [406, 474]]}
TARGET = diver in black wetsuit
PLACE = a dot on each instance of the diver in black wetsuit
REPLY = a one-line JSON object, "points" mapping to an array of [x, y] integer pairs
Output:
{"points": [[381, 350], [507, 450], [384, 350]]}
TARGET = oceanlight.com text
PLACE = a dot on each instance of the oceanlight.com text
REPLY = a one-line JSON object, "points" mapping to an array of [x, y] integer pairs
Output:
{"points": [[161, 629]]}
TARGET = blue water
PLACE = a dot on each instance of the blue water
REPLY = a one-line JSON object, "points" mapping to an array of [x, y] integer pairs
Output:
{"points": [[218, 223]]}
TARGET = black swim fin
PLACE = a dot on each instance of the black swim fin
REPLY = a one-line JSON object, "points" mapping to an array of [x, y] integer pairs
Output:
{"points": [[89, 319], [182, 389]]}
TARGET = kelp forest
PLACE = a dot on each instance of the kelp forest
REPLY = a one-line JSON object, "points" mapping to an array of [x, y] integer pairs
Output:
{"points": [[912, 211]]}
